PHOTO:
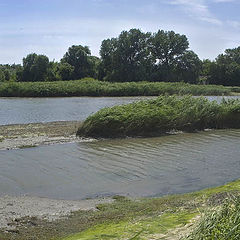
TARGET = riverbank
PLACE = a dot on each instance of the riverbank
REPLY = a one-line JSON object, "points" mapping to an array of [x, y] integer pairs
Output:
{"points": [[35, 134], [169, 217], [95, 88]]}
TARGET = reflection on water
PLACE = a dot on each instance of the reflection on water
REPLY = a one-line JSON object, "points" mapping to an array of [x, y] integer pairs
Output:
{"points": [[135, 167], [31, 110]]}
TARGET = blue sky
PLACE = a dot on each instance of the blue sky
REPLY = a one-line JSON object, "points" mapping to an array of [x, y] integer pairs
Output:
{"points": [[51, 26]]}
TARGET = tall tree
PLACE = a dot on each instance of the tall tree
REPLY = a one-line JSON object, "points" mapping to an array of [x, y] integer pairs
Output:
{"points": [[35, 68], [167, 47], [79, 58], [226, 69], [127, 58], [188, 67]]}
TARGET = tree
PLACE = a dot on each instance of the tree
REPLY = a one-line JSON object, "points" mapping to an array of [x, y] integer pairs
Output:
{"points": [[188, 67], [95, 63], [65, 71], [2, 76], [226, 69], [35, 68], [79, 58], [127, 58], [107, 51], [167, 47]]}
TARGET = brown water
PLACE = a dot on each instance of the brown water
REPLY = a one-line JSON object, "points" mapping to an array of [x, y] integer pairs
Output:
{"points": [[134, 167]]}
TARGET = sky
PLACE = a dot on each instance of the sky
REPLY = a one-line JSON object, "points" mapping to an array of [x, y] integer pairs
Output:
{"points": [[50, 27]]}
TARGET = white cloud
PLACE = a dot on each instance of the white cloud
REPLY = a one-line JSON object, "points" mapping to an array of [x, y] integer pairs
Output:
{"points": [[197, 9], [223, 1]]}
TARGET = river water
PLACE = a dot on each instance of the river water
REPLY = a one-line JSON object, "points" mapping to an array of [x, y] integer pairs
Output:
{"points": [[34, 110], [134, 166]]}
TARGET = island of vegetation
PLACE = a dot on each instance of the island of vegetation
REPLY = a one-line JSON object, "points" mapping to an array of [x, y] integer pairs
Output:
{"points": [[161, 115]]}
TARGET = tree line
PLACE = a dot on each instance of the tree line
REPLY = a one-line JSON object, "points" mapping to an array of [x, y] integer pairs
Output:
{"points": [[132, 56]]}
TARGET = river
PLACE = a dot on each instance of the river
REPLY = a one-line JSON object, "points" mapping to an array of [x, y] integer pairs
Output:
{"points": [[133, 166]]}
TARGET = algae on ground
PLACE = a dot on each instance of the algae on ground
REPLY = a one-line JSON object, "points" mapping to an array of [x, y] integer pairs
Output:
{"points": [[157, 218]]}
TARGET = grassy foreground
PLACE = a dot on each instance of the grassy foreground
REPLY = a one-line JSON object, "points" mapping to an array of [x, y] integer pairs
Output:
{"points": [[91, 87], [168, 217], [156, 117]]}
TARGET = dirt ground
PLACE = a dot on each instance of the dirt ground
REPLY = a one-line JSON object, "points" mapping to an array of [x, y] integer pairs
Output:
{"points": [[34, 134]]}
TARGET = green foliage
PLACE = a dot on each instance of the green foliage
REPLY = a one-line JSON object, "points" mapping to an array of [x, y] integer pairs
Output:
{"points": [[136, 56], [167, 47], [91, 87], [8, 73], [2, 76], [223, 223], [127, 58], [35, 68], [226, 69], [65, 71], [188, 67], [156, 117], [79, 57]]}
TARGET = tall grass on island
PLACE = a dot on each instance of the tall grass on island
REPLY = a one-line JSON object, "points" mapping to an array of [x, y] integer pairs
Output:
{"points": [[161, 115], [95, 88]]}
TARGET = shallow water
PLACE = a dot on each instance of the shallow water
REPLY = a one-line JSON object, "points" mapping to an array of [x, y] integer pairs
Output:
{"points": [[134, 167], [32, 110]]}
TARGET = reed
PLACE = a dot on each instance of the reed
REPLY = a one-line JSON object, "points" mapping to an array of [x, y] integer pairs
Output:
{"points": [[95, 88], [223, 223], [159, 116]]}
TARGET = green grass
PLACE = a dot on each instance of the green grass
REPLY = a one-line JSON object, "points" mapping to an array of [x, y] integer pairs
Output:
{"points": [[91, 87], [156, 117], [222, 223], [140, 228], [156, 217]]}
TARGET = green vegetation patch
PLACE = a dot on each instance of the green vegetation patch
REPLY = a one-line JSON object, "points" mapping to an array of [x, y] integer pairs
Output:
{"points": [[141, 228], [223, 223], [95, 88], [156, 117]]}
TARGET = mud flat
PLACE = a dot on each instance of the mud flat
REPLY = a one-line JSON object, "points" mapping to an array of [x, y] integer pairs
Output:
{"points": [[14, 208], [34, 134]]}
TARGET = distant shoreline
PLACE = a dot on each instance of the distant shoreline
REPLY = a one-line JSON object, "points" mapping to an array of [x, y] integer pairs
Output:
{"points": [[94, 88]]}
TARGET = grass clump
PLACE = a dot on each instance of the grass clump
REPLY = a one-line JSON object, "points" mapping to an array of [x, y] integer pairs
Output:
{"points": [[156, 117], [223, 223], [95, 88]]}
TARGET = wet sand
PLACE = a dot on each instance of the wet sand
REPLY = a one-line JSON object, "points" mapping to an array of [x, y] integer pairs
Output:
{"points": [[12, 209], [35, 134]]}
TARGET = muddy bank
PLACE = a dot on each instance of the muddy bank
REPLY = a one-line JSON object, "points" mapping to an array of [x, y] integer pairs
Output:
{"points": [[12, 209], [34, 134]]}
